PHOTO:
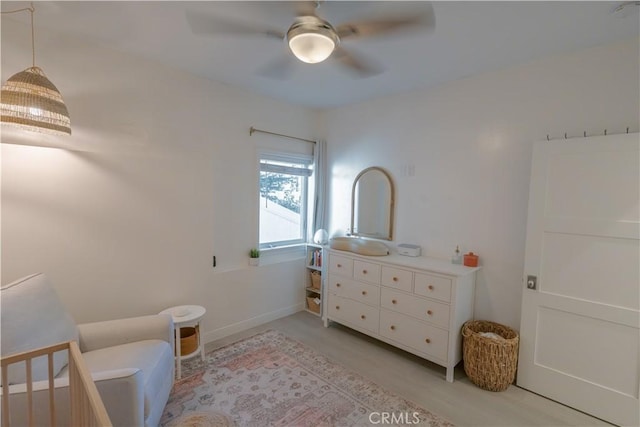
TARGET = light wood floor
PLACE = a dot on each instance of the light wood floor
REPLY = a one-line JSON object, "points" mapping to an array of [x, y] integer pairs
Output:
{"points": [[420, 381]]}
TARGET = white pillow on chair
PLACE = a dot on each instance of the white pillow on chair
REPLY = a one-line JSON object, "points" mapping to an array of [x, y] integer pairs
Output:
{"points": [[33, 317]]}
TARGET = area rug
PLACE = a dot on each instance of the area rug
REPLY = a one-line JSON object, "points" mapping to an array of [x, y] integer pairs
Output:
{"points": [[273, 380]]}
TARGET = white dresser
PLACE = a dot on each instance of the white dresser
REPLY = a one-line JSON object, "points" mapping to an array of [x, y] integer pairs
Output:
{"points": [[416, 304]]}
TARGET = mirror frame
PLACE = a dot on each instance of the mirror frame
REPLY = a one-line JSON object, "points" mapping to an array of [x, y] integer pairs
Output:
{"points": [[391, 202]]}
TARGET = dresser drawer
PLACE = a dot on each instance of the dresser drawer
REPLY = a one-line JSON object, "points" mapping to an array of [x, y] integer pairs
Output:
{"points": [[366, 271], [420, 308], [415, 334], [359, 291], [397, 278], [341, 265], [356, 313], [432, 286]]}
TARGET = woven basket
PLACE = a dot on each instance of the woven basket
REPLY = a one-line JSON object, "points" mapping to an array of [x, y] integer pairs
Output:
{"points": [[315, 279], [488, 362], [312, 306], [188, 340]]}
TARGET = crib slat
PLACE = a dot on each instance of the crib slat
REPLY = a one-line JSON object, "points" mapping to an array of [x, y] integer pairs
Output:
{"points": [[52, 403], [5, 396], [29, 393]]}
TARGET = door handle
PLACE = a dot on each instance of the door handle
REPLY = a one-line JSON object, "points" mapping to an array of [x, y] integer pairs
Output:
{"points": [[532, 282]]}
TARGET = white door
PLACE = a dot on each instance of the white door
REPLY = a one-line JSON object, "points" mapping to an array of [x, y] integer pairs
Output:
{"points": [[580, 326]]}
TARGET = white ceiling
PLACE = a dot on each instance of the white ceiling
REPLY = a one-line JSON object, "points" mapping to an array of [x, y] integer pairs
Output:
{"points": [[469, 38]]}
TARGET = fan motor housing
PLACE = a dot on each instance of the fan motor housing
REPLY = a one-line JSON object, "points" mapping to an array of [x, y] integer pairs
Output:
{"points": [[312, 24]]}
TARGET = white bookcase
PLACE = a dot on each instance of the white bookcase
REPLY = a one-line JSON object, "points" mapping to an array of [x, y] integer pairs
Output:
{"points": [[313, 286]]}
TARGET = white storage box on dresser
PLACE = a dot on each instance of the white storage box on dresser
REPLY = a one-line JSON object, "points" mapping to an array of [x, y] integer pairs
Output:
{"points": [[416, 304]]}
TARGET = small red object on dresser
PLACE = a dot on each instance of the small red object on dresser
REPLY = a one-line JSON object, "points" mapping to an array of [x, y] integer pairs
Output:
{"points": [[471, 260]]}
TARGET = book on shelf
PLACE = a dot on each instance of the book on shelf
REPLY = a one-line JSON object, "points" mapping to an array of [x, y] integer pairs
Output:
{"points": [[316, 258]]}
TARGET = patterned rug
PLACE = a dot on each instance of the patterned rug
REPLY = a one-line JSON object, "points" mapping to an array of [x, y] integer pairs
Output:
{"points": [[272, 380]]}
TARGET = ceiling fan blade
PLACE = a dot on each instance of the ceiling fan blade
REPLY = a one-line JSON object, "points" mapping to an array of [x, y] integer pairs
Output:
{"points": [[356, 63], [204, 24], [422, 19], [279, 68]]}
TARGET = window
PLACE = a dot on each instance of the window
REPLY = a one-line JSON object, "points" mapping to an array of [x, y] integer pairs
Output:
{"points": [[283, 198]]}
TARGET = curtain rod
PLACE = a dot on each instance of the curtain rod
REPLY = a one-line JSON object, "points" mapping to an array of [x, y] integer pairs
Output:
{"points": [[252, 130]]}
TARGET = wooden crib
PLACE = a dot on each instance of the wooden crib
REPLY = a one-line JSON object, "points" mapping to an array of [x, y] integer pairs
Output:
{"points": [[86, 406]]}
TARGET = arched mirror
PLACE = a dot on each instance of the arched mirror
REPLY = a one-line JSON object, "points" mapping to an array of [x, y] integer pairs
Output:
{"points": [[372, 199]]}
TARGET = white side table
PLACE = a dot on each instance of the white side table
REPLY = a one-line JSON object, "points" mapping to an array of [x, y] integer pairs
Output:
{"points": [[186, 316]]}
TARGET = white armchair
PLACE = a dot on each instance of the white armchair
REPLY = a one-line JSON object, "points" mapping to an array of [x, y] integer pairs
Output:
{"points": [[131, 360]]}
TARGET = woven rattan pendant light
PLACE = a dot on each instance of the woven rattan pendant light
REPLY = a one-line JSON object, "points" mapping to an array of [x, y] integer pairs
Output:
{"points": [[29, 100]]}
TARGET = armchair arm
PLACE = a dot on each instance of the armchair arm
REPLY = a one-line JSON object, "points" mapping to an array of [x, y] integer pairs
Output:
{"points": [[121, 390], [94, 336]]}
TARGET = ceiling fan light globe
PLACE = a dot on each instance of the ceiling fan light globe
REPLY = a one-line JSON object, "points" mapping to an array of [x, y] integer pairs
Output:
{"points": [[311, 47]]}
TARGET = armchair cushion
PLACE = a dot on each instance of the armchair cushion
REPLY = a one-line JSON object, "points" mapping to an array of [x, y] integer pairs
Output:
{"points": [[153, 357], [32, 317], [121, 392]]}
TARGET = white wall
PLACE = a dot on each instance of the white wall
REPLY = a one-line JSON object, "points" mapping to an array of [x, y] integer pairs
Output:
{"points": [[159, 175], [460, 155]]}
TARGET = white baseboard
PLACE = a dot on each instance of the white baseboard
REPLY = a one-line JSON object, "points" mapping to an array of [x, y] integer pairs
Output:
{"points": [[216, 334]]}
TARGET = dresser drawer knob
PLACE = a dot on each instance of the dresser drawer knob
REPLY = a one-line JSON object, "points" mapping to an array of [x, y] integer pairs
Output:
{"points": [[364, 292], [430, 287], [394, 301], [428, 341], [363, 316], [339, 265], [429, 312], [337, 285], [364, 271], [395, 279], [393, 328], [337, 307]]}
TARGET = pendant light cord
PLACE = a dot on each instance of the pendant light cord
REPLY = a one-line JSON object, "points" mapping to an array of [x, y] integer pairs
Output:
{"points": [[33, 36], [33, 31]]}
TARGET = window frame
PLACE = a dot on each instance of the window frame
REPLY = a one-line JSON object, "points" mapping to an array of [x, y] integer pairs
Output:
{"points": [[293, 158]]}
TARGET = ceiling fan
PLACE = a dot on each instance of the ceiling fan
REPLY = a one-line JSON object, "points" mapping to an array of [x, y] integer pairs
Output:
{"points": [[313, 39]]}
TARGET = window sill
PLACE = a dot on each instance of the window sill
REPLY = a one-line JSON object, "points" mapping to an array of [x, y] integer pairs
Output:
{"points": [[280, 254], [268, 256]]}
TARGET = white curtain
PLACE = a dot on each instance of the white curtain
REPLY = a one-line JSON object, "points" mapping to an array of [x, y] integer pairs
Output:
{"points": [[320, 172]]}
